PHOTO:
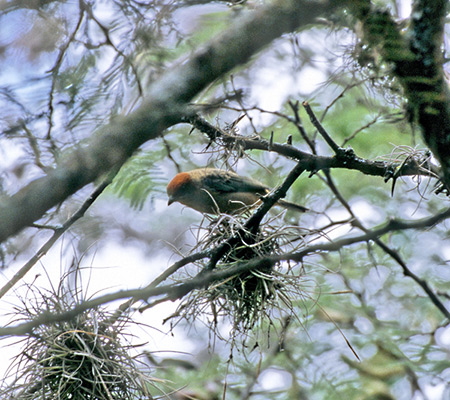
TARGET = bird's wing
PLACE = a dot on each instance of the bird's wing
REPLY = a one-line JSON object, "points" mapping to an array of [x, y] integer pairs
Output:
{"points": [[231, 183]]}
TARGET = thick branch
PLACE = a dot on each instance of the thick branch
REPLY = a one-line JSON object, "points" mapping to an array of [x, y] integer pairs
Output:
{"points": [[417, 64], [113, 144], [434, 107]]}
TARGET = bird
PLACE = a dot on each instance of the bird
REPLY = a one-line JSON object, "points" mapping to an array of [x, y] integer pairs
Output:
{"points": [[216, 191]]}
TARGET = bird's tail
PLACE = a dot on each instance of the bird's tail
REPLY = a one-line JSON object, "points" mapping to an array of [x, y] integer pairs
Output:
{"points": [[292, 206]]}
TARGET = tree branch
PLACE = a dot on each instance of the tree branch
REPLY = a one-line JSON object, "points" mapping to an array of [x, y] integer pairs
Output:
{"points": [[418, 64], [173, 292], [313, 162], [163, 106], [57, 234]]}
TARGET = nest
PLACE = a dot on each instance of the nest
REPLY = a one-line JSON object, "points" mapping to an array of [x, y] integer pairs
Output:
{"points": [[86, 357], [253, 296]]}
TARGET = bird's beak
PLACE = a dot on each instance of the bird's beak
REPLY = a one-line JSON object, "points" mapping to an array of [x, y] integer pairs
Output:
{"points": [[171, 200]]}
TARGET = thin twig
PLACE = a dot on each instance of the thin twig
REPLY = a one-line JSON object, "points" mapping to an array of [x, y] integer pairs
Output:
{"points": [[109, 41], [392, 253], [55, 71], [124, 307], [254, 221], [173, 292], [311, 162], [362, 128], [299, 125], [334, 146], [58, 232]]}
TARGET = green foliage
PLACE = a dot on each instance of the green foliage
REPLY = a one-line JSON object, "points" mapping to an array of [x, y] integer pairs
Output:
{"points": [[195, 377], [138, 180]]}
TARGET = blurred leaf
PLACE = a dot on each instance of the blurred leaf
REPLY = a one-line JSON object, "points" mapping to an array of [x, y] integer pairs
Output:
{"points": [[137, 180]]}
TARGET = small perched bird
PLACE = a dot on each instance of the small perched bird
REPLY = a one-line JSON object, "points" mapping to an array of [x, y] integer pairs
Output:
{"points": [[215, 191]]}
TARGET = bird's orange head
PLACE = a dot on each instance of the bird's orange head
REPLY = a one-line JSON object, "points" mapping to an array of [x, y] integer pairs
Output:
{"points": [[179, 186]]}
